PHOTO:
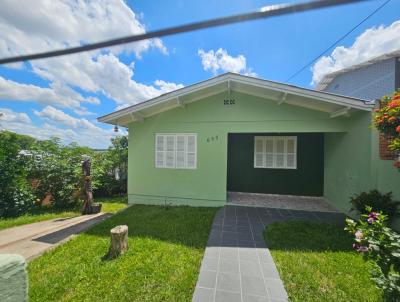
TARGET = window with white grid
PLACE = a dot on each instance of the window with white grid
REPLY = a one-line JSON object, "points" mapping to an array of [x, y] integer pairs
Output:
{"points": [[176, 151], [275, 152]]}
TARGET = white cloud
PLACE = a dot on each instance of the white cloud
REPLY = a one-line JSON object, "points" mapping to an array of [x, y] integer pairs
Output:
{"points": [[220, 60], [52, 114], [9, 116], [56, 24], [104, 74], [83, 132], [373, 42], [57, 94]]}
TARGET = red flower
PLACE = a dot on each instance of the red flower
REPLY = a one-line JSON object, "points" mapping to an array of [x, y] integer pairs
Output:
{"points": [[396, 97], [394, 104], [392, 119], [398, 129]]}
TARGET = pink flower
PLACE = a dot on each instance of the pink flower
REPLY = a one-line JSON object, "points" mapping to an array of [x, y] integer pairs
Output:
{"points": [[359, 234], [372, 217]]}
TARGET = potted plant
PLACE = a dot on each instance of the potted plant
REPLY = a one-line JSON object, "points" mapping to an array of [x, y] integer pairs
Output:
{"points": [[387, 121]]}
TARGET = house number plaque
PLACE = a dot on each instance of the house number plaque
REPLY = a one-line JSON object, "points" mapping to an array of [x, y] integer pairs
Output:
{"points": [[229, 102]]}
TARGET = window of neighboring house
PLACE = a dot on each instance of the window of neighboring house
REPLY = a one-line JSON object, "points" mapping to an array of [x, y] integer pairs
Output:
{"points": [[176, 151], [275, 152]]}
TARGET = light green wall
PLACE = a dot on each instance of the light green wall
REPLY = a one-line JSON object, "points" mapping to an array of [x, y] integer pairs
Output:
{"points": [[352, 164], [206, 185]]}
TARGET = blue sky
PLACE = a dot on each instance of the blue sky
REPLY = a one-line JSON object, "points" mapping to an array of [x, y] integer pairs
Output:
{"points": [[63, 96]]}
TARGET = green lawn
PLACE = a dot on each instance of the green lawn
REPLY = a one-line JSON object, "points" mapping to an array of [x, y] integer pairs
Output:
{"points": [[110, 205], [316, 263], [166, 246]]}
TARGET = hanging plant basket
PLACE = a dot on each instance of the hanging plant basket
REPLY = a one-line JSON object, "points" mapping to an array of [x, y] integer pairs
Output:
{"points": [[387, 119]]}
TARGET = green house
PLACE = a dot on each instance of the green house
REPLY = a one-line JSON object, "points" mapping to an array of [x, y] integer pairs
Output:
{"points": [[238, 133]]}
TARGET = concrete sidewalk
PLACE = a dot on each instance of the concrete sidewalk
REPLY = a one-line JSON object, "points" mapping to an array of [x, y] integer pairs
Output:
{"points": [[31, 240]]}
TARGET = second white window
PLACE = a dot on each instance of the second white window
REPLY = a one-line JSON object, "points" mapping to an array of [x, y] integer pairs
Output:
{"points": [[275, 152]]}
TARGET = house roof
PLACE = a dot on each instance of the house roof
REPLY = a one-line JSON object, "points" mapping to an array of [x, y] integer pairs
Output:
{"points": [[327, 79], [335, 105]]}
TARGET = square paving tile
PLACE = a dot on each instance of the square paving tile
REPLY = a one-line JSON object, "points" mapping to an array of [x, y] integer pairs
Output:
{"points": [[253, 298], [228, 282], [207, 279], [228, 266], [212, 252], [275, 287], [229, 253], [249, 253], [224, 296], [250, 268], [269, 270], [209, 264], [203, 295], [253, 286]]}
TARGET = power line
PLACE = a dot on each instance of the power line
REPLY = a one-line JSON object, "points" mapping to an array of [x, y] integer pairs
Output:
{"points": [[265, 12], [337, 41]]}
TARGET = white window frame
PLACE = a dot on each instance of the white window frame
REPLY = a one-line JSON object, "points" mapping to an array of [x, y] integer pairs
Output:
{"points": [[175, 151], [274, 153]]}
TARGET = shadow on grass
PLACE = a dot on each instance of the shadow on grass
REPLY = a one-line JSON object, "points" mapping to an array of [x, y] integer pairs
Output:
{"points": [[60, 235], [184, 225], [114, 199], [307, 236]]}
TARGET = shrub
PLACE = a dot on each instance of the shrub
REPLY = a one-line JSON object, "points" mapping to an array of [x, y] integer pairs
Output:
{"points": [[377, 201], [58, 171], [15, 193], [379, 243]]}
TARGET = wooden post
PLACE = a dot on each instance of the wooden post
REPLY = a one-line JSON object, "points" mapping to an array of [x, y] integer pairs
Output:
{"points": [[87, 206], [119, 241]]}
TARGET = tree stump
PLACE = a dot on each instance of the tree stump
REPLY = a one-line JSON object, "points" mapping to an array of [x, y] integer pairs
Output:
{"points": [[119, 241]]}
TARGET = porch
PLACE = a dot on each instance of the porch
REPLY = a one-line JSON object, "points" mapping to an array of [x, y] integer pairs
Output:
{"points": [[288, 202]]}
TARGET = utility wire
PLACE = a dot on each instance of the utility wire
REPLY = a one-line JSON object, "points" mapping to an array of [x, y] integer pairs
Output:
{"points": [[337, 41], [265, 12]]}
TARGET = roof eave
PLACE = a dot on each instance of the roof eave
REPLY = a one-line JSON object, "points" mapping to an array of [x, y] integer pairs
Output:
{"points": [[355, 103]]}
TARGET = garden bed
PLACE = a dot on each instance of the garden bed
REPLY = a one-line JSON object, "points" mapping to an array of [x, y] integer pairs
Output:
{"points": [[317, 263]]}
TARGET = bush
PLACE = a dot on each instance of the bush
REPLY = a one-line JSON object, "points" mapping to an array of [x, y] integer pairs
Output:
{"points": [[377, 201], [49, 168], [57, 170], [380, 244], [15, 192]]}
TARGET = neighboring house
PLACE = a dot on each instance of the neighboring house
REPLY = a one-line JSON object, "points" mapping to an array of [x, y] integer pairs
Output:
{"points": [[238, 133], [369, 80]]}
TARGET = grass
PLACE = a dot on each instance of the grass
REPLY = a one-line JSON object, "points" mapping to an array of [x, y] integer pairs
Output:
{"points": [[316, 263], [110, 205], [166, 246]]}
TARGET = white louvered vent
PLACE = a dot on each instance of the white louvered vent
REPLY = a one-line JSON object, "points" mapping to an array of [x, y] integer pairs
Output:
{"points": [[275, 152], [176, 151]]}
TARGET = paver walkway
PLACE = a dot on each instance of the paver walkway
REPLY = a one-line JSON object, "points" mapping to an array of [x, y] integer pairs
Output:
{"points": [[237, 265], [31, 240]]}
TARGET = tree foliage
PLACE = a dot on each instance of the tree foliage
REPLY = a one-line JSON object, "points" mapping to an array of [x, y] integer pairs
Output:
{"points": [[33, 169], [15, 193]]}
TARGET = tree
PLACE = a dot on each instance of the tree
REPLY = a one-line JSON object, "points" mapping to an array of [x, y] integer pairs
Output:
{"points": [[15, 192]]}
